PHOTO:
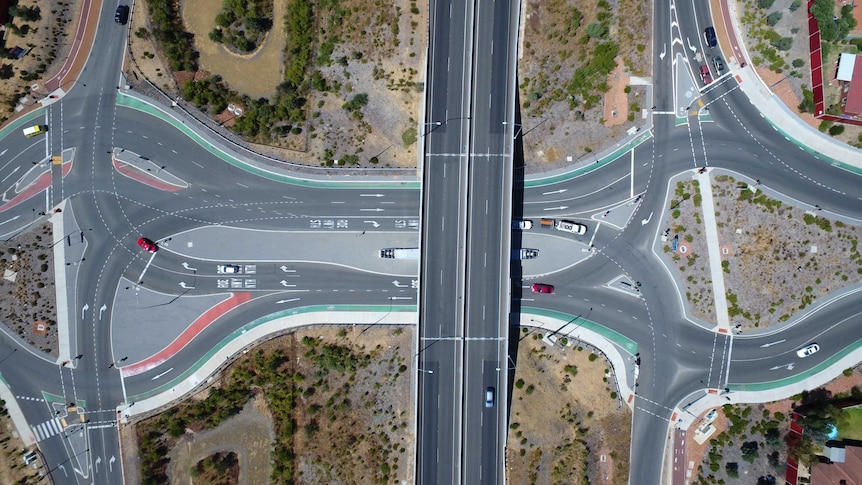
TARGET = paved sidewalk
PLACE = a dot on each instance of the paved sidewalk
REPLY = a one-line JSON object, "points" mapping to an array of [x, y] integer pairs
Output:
{"points": [[719, 292]]}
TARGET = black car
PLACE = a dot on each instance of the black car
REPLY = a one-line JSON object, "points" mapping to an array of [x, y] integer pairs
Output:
{"points": [[709, 37], [122, 15]]}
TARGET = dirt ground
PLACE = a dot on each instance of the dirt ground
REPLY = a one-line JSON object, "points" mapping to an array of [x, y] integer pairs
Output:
{"points": [[770, 268], [265, 62], [555, 135], [566, 426], [698, 453], [249, 435], [48, 43], [350, 427], [12, 468], [27, 294], [381, 54]]}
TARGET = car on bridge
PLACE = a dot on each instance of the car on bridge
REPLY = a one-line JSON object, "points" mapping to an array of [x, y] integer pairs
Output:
{"points": [[148, 245], [489, 397]]}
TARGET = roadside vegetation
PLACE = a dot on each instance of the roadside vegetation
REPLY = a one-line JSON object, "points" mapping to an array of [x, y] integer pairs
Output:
{"points": [[757, 440], [169, 31], [335, 407], [568, 424], [242, 24]]}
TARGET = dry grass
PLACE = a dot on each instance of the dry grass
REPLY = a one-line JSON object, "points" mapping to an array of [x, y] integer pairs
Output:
{"points": [[554, 44], [770, 271], [564, 419]]}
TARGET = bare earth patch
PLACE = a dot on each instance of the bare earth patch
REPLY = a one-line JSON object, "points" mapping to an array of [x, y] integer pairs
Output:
{"points": [[552, 47], [47, 42], [27, 292], [12, 468], [778, 259], [348, 396], [566, 426], [379, 53]]}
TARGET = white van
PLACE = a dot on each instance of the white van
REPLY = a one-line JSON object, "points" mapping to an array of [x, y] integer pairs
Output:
{"points": [[34, 130]]}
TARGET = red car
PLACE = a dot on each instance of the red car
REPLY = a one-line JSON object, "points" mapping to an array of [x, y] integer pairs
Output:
{"points": [[705, 75], [542, 288], [147, 245]]}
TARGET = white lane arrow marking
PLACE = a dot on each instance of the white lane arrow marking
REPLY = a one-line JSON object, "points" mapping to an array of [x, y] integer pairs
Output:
{"points": [[770, 344], [4, 152], [284, 283], [398, 284], [378, 209], [185, 286], [111, 463], [104, 307], [12, 219], [663, 49], [163, 373], [186, 266], [85, 308], [646, 221], [288, 301], [788, 366], [562, 207], [555, 192], [373, 223], [371, 195], [284, 268], [98, 460], [61, 467]]}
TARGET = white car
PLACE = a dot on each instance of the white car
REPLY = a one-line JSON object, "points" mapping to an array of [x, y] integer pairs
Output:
{"points": [[807, 350], [522, 225], [573, 227], [227, 269]]}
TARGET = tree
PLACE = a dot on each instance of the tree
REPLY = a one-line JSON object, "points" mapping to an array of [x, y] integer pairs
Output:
{"points": [[749, 451], [732, 469]]}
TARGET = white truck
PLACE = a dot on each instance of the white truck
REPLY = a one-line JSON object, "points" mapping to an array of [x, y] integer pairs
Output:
{"points": [[400, 253]]}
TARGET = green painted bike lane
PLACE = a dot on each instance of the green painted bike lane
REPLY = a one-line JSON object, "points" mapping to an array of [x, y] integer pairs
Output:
{"points": [[566, 176], [262, 321], [140, 105], [611, 335], [770, 385]]}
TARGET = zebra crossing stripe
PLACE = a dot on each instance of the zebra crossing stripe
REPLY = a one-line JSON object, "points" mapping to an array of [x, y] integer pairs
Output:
{"points": [[55, 426]]}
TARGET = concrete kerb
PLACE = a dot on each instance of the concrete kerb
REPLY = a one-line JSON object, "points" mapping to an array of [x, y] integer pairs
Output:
{"points": [[132, 100], [583, 168], [258, 331], [147, 167], [607, 341], [18, 419], [785, 121], [60, 286], [765, 392]]}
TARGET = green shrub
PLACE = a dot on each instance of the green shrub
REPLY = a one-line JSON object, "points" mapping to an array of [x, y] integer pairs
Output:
{"points": [[765, 4], [795, 5], [836, 130], [798, 63], [773, 18]]}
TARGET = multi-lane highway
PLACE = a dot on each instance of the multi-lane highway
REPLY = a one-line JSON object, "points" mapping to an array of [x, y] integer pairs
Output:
{"points": [[468, 138]]}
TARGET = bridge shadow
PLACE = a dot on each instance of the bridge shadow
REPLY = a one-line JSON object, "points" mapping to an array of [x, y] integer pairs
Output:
{"points": [[516, 268]]}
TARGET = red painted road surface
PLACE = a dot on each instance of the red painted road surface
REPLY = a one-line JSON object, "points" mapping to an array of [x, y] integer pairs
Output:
{"points": [[198, 326], [143, 178]]}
